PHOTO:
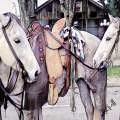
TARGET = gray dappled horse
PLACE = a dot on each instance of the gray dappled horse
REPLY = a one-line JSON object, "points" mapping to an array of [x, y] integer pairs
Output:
{"points": [[88, 80]]}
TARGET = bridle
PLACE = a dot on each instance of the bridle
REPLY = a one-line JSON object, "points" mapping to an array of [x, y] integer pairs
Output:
{"points": [[117, 39], [9, 43]]}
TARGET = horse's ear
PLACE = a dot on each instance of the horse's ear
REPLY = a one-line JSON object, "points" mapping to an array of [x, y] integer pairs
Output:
{"points": [[111, 18], [4, 19], [115, 20]]}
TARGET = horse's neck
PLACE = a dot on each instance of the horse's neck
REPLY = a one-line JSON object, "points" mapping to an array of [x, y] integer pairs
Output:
{"points": [[116, 53], [91, 45], [4, 73]]}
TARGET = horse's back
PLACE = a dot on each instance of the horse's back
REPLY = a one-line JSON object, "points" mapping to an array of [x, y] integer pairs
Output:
{"points": [[91, 44], [91, 39]]}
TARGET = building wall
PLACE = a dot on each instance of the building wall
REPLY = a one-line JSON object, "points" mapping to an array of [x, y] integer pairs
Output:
{"points": [[51, 13], [92, 27], [90, 18]]}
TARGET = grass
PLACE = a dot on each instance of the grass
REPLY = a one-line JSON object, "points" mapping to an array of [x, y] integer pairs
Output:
{"points": [[114, 71]]}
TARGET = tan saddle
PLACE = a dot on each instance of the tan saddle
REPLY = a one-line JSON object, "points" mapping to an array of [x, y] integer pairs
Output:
{"points": [[57, 59]]}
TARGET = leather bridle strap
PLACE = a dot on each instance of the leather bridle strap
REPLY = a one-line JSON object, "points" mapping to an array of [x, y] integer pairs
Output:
{"points": [[10, 45], [12, 80], [8, 24], [10, 100]]}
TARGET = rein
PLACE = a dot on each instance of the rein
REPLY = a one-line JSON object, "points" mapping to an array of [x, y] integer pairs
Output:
{"points": [[56, 39]]}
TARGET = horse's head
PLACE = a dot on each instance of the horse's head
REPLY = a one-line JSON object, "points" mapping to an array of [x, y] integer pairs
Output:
{"points": [[14, 46], [105, 49]]}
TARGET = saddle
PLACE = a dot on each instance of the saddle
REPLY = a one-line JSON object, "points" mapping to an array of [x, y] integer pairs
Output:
{"points": [[56, 58]]}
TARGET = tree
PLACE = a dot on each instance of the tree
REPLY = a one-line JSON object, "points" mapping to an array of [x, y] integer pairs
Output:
{"points": [[68, 8], [112, 7], [27, 11]]}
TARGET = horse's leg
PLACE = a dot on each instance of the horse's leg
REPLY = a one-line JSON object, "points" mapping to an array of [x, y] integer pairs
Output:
{"points": [[38, 114], [86, 98], [0, 113], [100, 96], [33, 114]]}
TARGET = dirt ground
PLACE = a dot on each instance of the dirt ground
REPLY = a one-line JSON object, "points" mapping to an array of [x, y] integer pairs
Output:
{"points": [[62, 109]]}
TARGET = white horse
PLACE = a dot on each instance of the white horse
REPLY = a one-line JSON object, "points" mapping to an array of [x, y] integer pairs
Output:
{"points": [[15, 52], [14, 46], [88, 80], [108, 43]]}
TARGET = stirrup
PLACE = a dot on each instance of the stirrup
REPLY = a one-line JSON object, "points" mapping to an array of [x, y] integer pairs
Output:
{"points": [[52, 94]]}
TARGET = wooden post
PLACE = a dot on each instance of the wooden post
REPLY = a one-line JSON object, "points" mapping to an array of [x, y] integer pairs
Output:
{"points": [[68, 7], [72, 77]]}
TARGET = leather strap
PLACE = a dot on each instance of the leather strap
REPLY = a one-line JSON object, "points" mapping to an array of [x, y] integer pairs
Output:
{"points": [[9, 22], [9, 43], [7, 95], [11, 48], [12, 80]]}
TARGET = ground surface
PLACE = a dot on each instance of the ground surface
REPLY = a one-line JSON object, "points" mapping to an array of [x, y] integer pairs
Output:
{"points": [[63, 111]]}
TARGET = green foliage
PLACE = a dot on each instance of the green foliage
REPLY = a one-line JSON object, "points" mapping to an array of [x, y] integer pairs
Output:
{"points": [[114, 71], [114, 7]]}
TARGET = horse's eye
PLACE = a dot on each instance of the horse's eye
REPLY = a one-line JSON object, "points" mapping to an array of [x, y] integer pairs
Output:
{"points": [[108, 38], [17, 41], [67, 30]]}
